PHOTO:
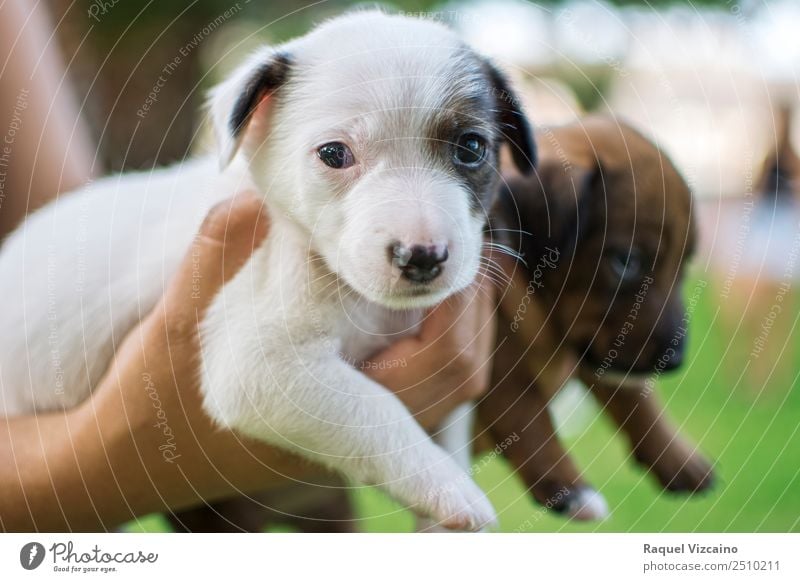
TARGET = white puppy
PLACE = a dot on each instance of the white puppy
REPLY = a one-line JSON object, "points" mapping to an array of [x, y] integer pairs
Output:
{"points": [[374, 141]]}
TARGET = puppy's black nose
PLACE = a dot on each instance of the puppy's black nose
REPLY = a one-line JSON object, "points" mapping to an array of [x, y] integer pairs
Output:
{"points": [[671, 338], [419, 263], [672, 359]]}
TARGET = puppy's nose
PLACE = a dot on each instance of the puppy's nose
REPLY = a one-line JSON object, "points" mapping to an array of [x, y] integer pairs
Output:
{"points": [[671, 338], [419, 263], [672, 359]]}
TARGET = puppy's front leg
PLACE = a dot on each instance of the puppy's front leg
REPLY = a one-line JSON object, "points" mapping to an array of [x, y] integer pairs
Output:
{"points": [[455, 437], [455, 434], [303, 397], [655, 442], [516, 413]]}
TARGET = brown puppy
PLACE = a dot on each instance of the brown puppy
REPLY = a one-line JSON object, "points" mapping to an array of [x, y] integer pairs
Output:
{"points": [[600, 299]]}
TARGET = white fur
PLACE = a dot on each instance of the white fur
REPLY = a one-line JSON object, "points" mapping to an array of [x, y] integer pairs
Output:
{"points": [[588, 505], [279, 340]]}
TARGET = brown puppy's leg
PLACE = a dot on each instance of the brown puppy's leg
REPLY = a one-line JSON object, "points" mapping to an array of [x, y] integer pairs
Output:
{"points": [[516, 412], [654, 441]]}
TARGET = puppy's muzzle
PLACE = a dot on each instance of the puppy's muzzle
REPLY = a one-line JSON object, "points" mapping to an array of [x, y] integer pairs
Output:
{"points": [[672, 352], [418, 263]]}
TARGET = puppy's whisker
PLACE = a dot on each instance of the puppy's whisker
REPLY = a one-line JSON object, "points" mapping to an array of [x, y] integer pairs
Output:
{"points": [[334, 288], [494, 282], [491, 266], [510, 230], [314, 259], [490, 271], [338, 290], [482, 289], [322, 277], [500, 278], [325, 288], [504, 249], [495, 266]]}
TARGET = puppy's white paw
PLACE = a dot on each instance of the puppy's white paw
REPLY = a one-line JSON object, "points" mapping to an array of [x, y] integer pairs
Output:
{"points": [[455, 502], [434, 486], [587, 505]]}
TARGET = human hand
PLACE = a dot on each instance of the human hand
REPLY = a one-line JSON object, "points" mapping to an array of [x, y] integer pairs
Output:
{"points": [[142, 443], [448, 362]]}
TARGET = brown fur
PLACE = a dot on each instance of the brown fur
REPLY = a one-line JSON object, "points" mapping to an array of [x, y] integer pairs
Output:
{"points": [[600, 186]]}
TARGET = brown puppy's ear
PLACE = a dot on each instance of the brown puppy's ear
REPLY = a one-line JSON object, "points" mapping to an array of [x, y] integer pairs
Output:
{"points": [[551, 211], [243, 96], [578, 204], [514, 124]]}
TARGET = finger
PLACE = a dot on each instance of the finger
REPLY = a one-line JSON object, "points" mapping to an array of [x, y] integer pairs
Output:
{"points": [[468, 311], [516, 408], [486, 298], [509, 263], [452, 321], [226, 239], [400, 353], [485, 333], [452, 316]]}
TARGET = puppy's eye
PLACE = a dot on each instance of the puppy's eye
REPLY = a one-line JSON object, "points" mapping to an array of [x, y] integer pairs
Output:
{"points": [[626, 264], [470, 150], [336, 155]]}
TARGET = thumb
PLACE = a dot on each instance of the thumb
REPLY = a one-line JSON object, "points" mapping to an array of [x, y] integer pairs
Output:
{"points": [[226, 239], [459, 313]]}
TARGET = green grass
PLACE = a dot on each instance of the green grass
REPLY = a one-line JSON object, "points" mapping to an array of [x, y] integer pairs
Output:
{"points": [[749, 424]]}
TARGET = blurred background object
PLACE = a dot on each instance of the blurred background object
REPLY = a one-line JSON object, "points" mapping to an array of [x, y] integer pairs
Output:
{"points": [[714, 82]]}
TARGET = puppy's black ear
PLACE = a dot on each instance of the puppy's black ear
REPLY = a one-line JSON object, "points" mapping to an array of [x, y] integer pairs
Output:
{"points": [[581, 194], [554, 209], [514, 123], [234, 102]]}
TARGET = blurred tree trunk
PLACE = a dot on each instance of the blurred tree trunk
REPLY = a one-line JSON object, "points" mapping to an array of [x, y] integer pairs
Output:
{"points": [[115, 60], [117, 51]]}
